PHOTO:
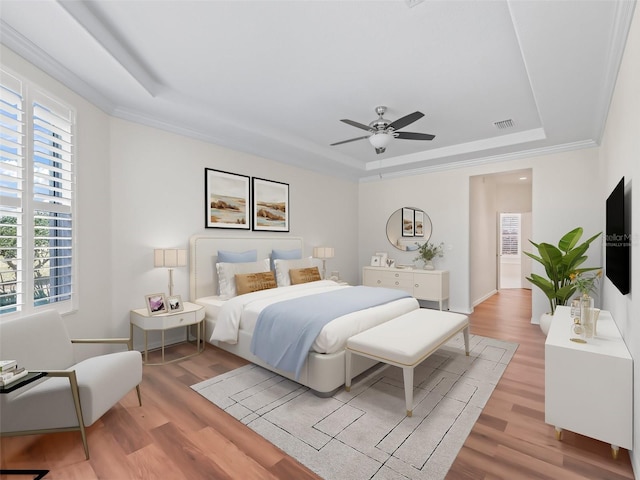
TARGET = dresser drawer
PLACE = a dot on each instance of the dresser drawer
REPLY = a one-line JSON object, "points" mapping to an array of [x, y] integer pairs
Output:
{"points": [[166, 321], [178, 320], [388, 279]]}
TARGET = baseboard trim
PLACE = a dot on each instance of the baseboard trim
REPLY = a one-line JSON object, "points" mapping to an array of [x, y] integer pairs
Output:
{"points": [[483, 298]]}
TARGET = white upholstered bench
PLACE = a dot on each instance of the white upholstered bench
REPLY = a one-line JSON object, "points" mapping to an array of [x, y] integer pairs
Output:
{"points": [[406, 341]]}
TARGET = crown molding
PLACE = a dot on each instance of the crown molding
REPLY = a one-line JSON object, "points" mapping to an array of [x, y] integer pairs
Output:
{"points": [[38, 57]]}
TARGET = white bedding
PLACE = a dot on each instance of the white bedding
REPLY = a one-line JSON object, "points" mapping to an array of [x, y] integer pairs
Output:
{"points": [[241, 313]]}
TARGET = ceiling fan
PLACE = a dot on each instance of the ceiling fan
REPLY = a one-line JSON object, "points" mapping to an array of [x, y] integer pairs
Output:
{"points": [[382, 130]]}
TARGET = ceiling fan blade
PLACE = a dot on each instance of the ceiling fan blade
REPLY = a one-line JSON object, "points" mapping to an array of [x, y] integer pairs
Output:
{"points": [[357, 125], [406, 120], [350, 140], [413, 136]]}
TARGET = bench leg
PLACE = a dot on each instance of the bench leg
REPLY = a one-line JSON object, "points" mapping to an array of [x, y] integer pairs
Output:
{"points": [[347, 370], [465, 332], [407, 373]]}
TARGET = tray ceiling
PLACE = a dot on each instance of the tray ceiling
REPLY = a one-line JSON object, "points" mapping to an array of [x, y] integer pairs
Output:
{"points": [[274, 78]]}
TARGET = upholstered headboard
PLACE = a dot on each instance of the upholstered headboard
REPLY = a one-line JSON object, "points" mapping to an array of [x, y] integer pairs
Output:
{"points": [[203, 254]]}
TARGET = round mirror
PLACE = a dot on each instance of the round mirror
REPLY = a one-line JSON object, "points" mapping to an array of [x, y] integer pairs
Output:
{"points": [[408, 226]]}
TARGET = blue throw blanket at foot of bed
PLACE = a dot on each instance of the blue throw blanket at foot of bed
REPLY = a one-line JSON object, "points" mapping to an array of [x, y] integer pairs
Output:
{"points": [[285, 331]]}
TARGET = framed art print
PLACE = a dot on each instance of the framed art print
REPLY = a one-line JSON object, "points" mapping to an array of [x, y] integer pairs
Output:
{"points": [[418, 223], [408, 225], [226, 200], [270, 205]]}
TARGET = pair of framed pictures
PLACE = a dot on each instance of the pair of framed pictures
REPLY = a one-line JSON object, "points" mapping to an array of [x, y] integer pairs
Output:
{"points": [[242, 202], [158, 303], [413, 222]]}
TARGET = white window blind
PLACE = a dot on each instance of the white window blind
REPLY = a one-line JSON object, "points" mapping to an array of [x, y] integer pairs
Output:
{"points": [[37, 192], [510, 234]]}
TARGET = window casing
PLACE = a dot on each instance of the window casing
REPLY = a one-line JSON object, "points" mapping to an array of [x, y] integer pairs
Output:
{"points": [[37, 199]]}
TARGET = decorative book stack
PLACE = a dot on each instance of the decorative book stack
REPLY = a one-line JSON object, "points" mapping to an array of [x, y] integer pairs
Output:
{"points": [[10, 372]]}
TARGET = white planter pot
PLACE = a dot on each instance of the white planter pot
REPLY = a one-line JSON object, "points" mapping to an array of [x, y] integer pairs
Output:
{"points": [[545, 322]]}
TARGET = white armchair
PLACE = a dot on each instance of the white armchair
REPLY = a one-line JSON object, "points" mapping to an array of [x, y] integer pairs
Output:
{"points": [[72, 395]]}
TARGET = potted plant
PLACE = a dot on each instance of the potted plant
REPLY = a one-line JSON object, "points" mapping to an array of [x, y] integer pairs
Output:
{"points": [[585, 283], [427, 252], [561, 264]]}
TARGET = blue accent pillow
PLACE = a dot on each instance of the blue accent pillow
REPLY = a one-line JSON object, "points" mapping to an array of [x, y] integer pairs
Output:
{"points": [[225, 256], [294, 254]]}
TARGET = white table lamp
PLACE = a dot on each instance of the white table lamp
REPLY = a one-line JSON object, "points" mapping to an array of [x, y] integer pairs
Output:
{"points": [[169, 257], [323, 253]]}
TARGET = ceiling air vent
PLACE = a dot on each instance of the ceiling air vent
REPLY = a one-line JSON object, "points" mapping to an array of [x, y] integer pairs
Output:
{"points": [[504, 124]]}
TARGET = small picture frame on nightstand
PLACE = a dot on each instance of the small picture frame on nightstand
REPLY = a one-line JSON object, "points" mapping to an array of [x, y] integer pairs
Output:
{"points": [[175, 303], [156, 303]]}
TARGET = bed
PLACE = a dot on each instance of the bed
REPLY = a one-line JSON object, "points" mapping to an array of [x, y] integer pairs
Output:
{"points": [[324, 368]]}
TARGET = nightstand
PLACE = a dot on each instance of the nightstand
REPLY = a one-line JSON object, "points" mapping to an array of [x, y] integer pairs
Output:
{"points": [[191, 315]]}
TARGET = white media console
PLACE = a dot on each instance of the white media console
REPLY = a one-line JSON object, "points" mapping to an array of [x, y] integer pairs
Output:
{"points": [[589, 386]]}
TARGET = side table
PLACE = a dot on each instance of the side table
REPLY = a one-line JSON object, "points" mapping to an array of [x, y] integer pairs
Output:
{"points": [[26, 380], [191, 315]]}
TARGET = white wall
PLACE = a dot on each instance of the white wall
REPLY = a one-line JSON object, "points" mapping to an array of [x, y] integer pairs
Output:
{"points": [[482, 232], [141, 188], [619, 156], [159, 203], [564, 195]]}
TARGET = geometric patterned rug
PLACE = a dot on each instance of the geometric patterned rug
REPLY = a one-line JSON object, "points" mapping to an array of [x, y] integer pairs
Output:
{"points": [[364, 433]]}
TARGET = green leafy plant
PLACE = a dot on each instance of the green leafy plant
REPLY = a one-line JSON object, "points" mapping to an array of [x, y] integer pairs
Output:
{"points": [[428, 251], [560, 263]]}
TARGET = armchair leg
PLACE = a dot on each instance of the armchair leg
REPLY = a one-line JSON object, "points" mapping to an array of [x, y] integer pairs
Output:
{"points": [[139, 396], [76, 402]]}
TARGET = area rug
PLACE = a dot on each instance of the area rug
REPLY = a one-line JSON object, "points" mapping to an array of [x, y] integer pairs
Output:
{"points": [[364, 433]]}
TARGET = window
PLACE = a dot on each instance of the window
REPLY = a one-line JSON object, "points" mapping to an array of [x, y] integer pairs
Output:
{"points": [[37, 190], [509, 234]]}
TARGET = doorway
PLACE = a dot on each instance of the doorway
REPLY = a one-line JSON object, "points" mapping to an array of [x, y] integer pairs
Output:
{"points": [[489, 196]]}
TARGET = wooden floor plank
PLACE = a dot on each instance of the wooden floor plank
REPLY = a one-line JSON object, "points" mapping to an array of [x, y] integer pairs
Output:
{"points": [[178, 434]]}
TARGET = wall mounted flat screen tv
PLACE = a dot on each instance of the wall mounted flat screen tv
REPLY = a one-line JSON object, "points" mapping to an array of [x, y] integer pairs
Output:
{"points": [[618, 239]]}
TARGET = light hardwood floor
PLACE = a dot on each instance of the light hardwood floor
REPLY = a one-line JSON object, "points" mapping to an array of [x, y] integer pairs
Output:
{"points": [[177, 434]]}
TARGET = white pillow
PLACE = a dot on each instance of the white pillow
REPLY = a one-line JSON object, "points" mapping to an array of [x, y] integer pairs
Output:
{"points": [[227, 274], [283, 267]]}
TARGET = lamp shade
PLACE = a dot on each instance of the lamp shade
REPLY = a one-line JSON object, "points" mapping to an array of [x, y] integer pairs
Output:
{"points": [[380, 139], [323, 252], [169, 257]]}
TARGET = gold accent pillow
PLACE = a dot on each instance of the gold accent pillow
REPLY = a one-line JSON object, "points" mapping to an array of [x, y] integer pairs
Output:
{"points": [[304, 275], [252, 282]]}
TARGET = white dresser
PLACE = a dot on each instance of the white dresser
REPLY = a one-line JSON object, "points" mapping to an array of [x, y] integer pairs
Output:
{"points": [[431, 285], [589, 387]]}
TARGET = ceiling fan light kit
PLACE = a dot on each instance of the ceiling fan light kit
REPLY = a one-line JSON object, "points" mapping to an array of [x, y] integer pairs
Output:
{"points": [[380, 139], [382, 131]]}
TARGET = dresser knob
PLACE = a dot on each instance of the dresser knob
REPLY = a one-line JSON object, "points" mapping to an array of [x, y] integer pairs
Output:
{"points": [[397, 275], [397, 283], [378, 282]]}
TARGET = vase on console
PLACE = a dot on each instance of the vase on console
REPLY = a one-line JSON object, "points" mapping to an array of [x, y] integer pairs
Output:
{"points": [[586, 314], [428, 265]]}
